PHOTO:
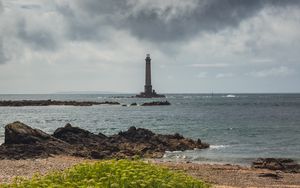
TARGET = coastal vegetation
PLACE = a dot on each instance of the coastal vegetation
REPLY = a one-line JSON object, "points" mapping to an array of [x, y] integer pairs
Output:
{"points": [[112, 174]]}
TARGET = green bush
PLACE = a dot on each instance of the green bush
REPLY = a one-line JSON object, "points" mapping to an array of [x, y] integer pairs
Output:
{"points": [[112, 174]]}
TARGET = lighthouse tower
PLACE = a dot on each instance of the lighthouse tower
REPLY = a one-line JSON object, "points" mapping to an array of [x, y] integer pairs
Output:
{"points": [[148, 86], [148, 92]]}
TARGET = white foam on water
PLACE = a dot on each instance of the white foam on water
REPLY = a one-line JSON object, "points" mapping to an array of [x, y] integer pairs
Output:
{"points": [[218, 146], [173, 152], [230, 96]]}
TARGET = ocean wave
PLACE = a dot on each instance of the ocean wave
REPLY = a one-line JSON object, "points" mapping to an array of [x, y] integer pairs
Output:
{"points": [[229, 96], [206, 96], [173, 152], [218, 146]]}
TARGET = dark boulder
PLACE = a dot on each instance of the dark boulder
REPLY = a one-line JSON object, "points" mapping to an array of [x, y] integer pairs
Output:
{"points": [[134, 134], [282, 164], [146, 143], [111, 103], [90, 144], [19, 133], [21, 142], [35, 150], [76, 135]]}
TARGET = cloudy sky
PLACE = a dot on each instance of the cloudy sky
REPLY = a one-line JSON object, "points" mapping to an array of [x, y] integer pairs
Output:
{"points": [[229, 46]]}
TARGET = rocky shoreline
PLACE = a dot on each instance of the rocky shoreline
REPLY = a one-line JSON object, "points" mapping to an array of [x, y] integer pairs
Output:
{"points": [[23, 142], [27, 151]]}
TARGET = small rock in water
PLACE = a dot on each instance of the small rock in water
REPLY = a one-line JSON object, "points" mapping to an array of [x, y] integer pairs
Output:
{"points": [[157, 103]]}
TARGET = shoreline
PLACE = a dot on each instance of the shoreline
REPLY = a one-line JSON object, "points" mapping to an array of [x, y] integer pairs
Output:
{"points": [[219, 175], [230, 175], [206, 162], [28, 151]]}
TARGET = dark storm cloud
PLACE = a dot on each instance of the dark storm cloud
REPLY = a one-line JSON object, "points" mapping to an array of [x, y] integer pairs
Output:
{"points": [[104, 6], [161, 23], [38, 39], [91, 19], [214, 16]]}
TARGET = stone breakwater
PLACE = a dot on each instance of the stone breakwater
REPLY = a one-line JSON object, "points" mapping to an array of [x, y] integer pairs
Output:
{"points": [[23, 142]]}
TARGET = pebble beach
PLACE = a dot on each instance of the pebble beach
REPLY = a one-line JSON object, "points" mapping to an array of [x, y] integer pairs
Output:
{"points": [[219, 175]]}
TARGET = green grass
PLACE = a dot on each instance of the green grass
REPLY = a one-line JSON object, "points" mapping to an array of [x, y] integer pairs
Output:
{"points": [[112, 174]]}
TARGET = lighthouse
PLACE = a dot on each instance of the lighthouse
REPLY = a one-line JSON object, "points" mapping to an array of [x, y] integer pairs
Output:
{"points": [[148, 92], [148, 86]]}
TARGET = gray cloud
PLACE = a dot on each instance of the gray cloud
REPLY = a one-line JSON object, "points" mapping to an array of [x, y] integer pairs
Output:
{"points": [[275, 71], [3, 58], [85, 45], [1, 7], [38, 39], [91, 20], [155, 21], [212, 16]]}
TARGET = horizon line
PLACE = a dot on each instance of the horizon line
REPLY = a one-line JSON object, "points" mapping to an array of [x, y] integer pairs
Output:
{"points": [[130, 93]]}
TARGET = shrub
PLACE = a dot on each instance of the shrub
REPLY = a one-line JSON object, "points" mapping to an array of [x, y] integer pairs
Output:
{"points": [[112, 174]]}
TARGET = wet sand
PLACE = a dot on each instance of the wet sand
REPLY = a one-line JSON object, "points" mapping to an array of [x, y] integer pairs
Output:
{"points": [[217, 174]]}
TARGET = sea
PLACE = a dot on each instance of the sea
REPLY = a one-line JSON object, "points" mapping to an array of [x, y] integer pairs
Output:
{"points": [[238, 127]]}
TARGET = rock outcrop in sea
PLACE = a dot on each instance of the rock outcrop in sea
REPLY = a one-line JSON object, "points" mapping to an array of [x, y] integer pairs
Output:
{"points": [[50, 102], [20, 103], [22, 142]]}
